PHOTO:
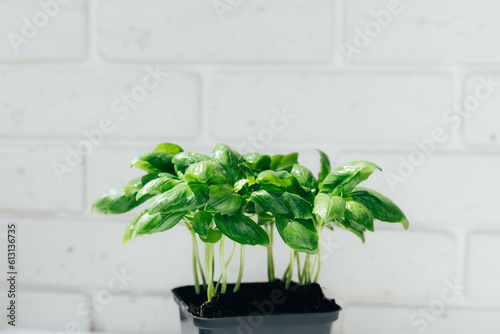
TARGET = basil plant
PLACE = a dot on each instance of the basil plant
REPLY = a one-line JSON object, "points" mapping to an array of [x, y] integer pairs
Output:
{"points": [[246, 198]]}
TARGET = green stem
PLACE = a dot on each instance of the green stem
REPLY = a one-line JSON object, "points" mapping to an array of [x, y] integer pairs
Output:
{"points": [[223, 266], [290, 272], [286, 273], [318, 257], [195, 265], [210, 271], [297, 256], [305, 270], [242, 263], [227, 264], [270, 256]]}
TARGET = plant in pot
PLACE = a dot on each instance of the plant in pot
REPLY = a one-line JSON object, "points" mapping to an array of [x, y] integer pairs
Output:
{"points": [[246, 198]]}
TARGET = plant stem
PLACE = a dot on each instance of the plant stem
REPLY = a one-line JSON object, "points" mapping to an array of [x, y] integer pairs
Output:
{"points": [[270, 256], [290, 273], [223, 266], [195, 265], [305, 270], [210, 271], [242, 263], [318, 257], [297, 256]]}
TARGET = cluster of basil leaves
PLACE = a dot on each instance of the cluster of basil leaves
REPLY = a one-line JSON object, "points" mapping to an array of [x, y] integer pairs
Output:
{"points": [[217, 195]]}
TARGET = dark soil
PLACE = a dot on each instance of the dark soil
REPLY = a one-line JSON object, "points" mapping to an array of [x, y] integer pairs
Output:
{"points": [[263, 298]]}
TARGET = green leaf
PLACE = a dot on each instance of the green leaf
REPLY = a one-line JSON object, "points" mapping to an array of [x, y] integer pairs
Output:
{"points": [[250, 176], [213, 236], [382, 208], [138, 183], [184, 196], [269, 199], [223, 155], [185, 159], [304, 176], [281, 179], [357, 212], [325, 167], [224, 199], [257, 162], [154, 162], [145, 223], [241, 229], [116, 201], [329, 207], [352, 227], [157, 186], [206, 172], [201, 223], [343, 179], [284, 162], [240, 184], [299, 234], [169, 148], [297, 206]]}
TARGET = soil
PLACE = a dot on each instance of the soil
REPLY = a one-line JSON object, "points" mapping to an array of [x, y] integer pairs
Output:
{"points": [[264, 298]]}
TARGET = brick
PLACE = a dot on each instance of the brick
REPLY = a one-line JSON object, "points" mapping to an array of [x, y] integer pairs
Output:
{"points": [[71, 102], [88, 253], [414, 35], [62, 35], [392, 263], [397, 320], [482, 267], [50, 311], [328, 107], [438, 189], [282, 31], [480, 117], [146, 314], [33, 185]]}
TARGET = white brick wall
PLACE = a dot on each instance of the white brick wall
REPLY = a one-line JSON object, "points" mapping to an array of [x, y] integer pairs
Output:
{"points": [[112, 78]]}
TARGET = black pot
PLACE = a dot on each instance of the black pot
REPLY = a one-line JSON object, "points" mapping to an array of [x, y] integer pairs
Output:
{"points": [[255, 323]]}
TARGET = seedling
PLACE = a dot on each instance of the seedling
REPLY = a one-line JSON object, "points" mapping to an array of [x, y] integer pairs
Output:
{"points": [[245, 198]]}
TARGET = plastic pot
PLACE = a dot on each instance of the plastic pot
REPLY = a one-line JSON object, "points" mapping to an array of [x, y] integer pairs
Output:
{"points": [[256, 323]]}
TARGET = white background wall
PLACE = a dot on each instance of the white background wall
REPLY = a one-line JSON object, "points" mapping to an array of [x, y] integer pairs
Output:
{"points": [[410, 96]]}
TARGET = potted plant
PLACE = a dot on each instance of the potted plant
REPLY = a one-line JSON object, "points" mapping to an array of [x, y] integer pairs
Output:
{"points": [[246, 198]]}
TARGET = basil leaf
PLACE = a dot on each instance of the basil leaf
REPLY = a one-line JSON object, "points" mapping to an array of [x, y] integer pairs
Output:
{"points": [[299, 234], [184, 196], [129, 233], [206, 172], [329, 207], [241, 229], [169, 148], [116, 201], [353, 227], [343, 179], [145, 223], [248, 173], [304, 176], [269, 199], [223, 155], [154, 162], [201, 223], [284, 162], [138, 183], [297, 206], [325, 167], [257, 162], [157, 186], [357, 212], [213, 236], [281, 179], [224, 199], [185, 159], [382, 208]]}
